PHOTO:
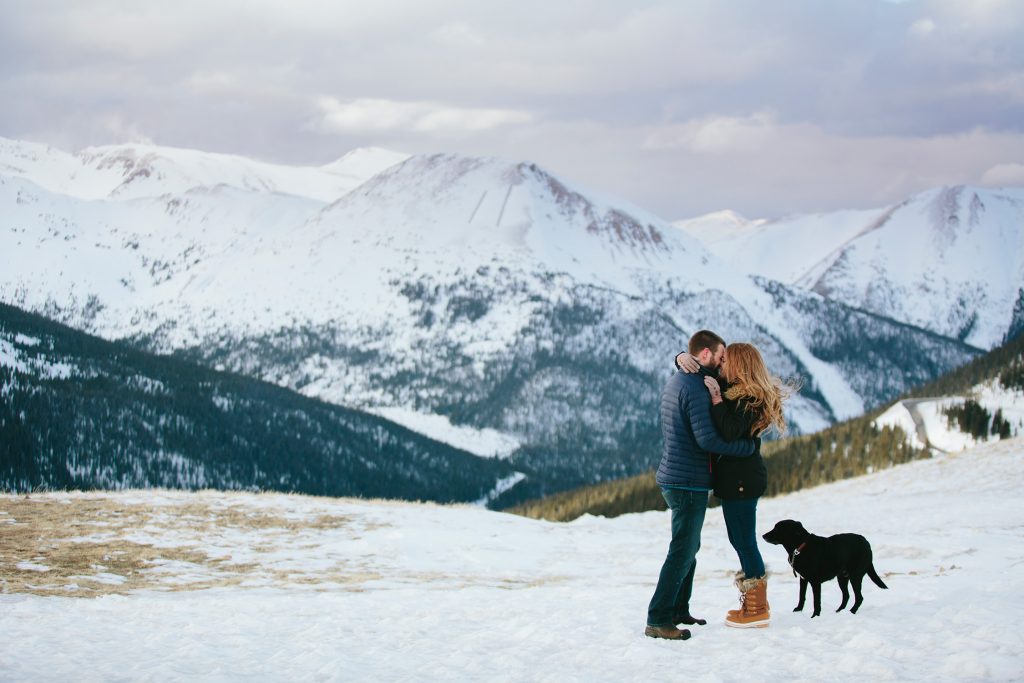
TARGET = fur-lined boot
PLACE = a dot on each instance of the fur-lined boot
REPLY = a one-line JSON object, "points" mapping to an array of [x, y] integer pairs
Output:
{"points": [[754, 611]]}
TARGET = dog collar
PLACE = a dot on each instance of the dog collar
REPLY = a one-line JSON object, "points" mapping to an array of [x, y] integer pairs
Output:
{"points": [[796, 551]]}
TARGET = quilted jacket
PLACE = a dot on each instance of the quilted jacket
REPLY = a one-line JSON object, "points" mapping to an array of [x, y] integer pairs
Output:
{"points": [[689, 436]]}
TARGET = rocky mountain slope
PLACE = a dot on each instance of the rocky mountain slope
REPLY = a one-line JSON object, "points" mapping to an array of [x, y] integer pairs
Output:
{"points": [[492, 293], [949, 260]]}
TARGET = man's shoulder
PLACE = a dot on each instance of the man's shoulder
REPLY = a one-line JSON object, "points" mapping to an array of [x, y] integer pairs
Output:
{"points": [[684, 382]]}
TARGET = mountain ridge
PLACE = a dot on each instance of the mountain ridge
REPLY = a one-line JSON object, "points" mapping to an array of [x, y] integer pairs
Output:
{"points": [[949, 259], [131, 171], [495, 294]]}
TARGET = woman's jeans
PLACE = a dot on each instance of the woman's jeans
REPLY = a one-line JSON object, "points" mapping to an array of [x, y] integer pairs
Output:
{"points": [[675, 583], [741, 523]]}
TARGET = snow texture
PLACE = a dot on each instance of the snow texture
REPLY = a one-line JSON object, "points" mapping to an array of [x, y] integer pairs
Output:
{"points": [[460, 593]]}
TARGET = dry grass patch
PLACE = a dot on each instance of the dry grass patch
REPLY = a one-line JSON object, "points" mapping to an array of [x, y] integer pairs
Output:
{"points": [[76, 547], [95, 544], [204, 518]]}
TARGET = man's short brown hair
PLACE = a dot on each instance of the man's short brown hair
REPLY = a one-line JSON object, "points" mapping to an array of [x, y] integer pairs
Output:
{"points": [[704, 339]]}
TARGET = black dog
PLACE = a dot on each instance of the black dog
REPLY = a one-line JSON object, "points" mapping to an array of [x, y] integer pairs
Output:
{"points": [[816, 559]]}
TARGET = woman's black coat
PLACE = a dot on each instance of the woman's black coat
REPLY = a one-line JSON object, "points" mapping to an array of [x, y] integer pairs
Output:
{"points": [[733, 477]]}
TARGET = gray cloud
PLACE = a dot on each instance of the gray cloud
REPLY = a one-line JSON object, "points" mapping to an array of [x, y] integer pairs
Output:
{"points": [[767, 108]]}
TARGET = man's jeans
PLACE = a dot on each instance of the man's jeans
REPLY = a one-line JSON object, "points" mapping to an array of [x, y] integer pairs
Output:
{"points": [[740, 521], [675, 584]]}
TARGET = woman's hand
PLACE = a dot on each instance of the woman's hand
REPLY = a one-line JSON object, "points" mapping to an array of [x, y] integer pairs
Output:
{"points": [[687, 363], [716, 391]]}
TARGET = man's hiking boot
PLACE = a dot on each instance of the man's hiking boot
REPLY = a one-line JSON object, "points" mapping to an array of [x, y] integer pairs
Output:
{"points": [[669, 632], [689, 620]]}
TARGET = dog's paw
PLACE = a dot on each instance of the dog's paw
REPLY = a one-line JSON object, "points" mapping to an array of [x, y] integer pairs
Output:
{"points": [[798, 608], [815, 614]]}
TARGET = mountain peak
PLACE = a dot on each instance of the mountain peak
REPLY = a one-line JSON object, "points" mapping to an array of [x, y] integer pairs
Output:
{"points": [[948, 259], [450, 204]]}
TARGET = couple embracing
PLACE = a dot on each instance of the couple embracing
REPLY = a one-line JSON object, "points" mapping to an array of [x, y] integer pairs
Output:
{"points": [[713, 411]]}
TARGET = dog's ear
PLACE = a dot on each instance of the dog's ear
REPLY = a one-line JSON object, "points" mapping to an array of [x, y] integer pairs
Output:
{"points": [[786, 526]]}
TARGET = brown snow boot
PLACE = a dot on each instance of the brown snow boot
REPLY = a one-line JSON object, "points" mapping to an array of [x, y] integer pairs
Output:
{"points": [[754, 612], [736, 582]]}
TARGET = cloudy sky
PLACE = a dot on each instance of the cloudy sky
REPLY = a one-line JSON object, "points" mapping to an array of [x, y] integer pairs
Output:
{"points": [[767, 107]]}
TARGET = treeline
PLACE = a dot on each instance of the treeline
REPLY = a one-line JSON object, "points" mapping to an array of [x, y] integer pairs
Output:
{"points": [[972, 418], [1005, 362], [848, 449], [79, 412], [844, 450]]}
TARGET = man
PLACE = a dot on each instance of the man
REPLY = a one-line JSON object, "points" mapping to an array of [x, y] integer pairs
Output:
{"points": [[684, 476]]}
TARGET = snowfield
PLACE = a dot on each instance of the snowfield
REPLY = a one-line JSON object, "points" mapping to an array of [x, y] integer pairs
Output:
{"points": [[245, 587]]}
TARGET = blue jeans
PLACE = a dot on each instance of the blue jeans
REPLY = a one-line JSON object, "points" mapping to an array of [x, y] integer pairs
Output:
{"points": [[741, 523], [675, 583]]}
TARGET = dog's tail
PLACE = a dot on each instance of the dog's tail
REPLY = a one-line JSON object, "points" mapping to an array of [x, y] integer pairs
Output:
{"points": [[874, 577]]}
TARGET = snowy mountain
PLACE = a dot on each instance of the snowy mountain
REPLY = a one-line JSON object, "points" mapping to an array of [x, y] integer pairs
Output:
{"points": [[950, 260], [492, 294], [133, 171], [215, 587]]}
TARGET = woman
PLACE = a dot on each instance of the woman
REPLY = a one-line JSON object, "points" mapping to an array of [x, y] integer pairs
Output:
{"points": [[745, 402]]}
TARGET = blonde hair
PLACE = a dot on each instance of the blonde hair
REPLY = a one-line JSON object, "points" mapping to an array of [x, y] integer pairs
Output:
{"points": [[750, 380]]}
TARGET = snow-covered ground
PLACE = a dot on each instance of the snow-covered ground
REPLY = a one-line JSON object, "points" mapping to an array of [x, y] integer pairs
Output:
{"points": [[344, 590]]}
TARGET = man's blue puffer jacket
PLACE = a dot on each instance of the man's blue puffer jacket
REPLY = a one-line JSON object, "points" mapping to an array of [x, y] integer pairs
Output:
{"points": [[689, 435]]}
